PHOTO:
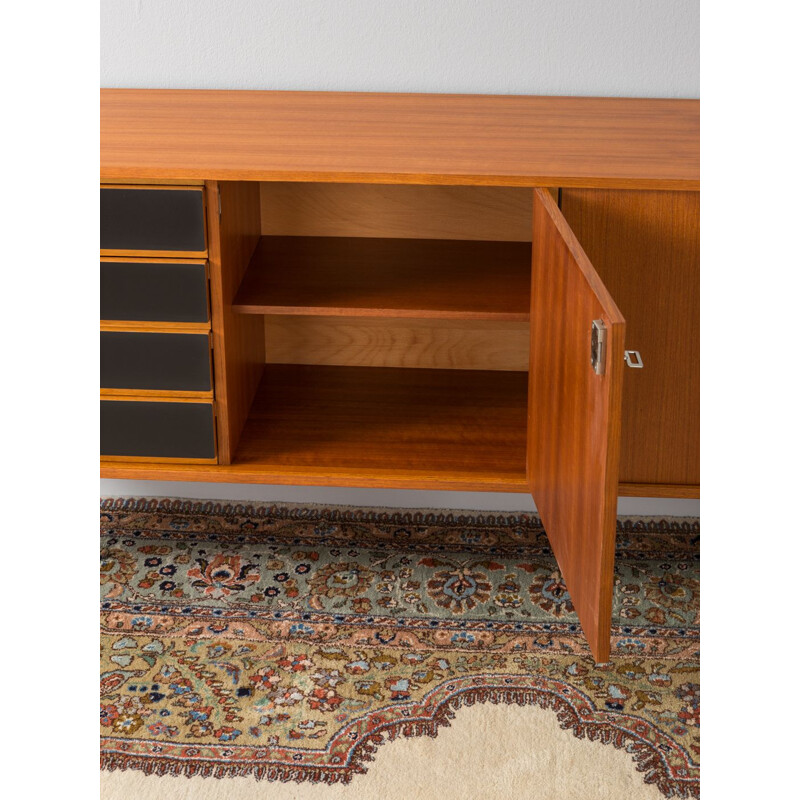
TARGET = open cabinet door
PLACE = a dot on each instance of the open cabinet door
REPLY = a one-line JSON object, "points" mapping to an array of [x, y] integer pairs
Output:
{"points": [[574, 412]]}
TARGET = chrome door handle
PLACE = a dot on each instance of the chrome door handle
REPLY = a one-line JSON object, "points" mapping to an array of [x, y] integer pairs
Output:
{"points": [[634, 359]]}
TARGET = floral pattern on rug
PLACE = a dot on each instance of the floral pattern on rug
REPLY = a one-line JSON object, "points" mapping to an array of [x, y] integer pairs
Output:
{"points": [[289, 642]]}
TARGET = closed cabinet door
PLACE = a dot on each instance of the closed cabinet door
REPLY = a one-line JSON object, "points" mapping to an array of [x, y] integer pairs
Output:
{"points": [[574, 412], [645, 245]]}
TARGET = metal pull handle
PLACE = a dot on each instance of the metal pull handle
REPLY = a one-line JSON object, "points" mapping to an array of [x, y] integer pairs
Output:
{"points": [[634, 359]]}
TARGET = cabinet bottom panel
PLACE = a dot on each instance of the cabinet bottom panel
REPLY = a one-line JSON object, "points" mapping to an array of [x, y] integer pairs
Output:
{"points": [[404, 428], [380, 427]]}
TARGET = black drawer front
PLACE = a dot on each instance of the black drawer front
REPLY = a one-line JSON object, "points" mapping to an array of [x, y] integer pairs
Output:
{"points": [[152, 292], [152, 219], [171, 362], [156, 430]]}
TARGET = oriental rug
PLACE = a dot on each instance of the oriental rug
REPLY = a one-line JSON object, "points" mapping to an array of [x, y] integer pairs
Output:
{"points": [[288, 642]]}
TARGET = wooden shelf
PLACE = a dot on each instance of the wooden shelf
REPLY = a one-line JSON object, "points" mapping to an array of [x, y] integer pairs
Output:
{"points": [[364, 277], [382, 427]]}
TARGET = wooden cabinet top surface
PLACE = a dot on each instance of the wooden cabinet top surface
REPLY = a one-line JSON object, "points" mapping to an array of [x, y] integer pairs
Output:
{"points": [[501, 140]]}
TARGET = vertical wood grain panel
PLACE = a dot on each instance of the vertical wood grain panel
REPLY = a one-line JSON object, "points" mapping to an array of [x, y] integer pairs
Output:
{"points": [[238, 339], [645, 245], [574, 418]]}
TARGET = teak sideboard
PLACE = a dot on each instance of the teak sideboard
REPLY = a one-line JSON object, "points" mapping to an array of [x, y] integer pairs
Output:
{"points": [[407, 290]]}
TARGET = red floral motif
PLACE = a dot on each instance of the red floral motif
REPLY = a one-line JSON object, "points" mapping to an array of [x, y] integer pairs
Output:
{"points": [[678, 594], [286, 697], [108, 714], [550, 593], [298, 663], [322, 699], [223, 575], [343, 579], [117, 567], [690, 715], [459, 590], [266, 678]]}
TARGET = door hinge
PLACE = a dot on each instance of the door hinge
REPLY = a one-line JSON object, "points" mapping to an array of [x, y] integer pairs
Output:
{"points": [[598, 346], [219, 202]]}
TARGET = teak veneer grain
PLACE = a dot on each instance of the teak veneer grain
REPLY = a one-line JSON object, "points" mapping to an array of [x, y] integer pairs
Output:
{"points": [[574, 417], [381, 427], [358, 277], [379, 342], [489, 213], [424, 279], [428, 422], [645, 247], [154, 327], [238, 340], [351, 137]]}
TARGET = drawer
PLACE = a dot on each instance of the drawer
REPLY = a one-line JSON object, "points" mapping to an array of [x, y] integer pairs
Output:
{"points": [[154, 291], [157, 430], [152, 220], [165, 362]]}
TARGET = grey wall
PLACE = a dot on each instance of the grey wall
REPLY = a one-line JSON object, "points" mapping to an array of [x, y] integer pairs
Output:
{"points": [[646, 48]]}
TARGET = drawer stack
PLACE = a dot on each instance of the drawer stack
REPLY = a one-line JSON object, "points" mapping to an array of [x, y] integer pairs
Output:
{"points": [[156, 367]]}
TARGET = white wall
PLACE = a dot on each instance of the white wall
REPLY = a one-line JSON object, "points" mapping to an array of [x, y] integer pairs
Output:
{"points": [[646, 48]]}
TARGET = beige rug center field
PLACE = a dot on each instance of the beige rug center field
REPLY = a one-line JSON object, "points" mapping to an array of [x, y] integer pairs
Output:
{"points": [[531, 757]]}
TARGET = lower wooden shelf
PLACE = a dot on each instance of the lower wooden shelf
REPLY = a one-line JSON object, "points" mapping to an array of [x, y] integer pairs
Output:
{"points": [[374, 427], [461, 430]]}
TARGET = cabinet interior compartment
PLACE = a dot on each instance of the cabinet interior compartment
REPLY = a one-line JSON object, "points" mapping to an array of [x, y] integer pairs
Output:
{"points": [[394, 325]]}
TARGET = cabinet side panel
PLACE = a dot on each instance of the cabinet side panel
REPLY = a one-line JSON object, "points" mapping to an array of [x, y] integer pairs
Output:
{"points": [[645, 245], [238, 339]]}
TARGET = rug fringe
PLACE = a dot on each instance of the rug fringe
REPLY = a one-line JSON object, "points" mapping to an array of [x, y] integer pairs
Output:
{"points": [[390, 516]]}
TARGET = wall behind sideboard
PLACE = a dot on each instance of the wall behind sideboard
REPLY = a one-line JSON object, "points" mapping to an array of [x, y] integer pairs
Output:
{"points": [[644, 48], [635, 48]]}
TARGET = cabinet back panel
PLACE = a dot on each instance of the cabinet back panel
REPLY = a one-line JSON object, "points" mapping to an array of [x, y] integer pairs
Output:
{"points": [[178, 362], [370, 342], [156, 430], [408, 212], [147, 291]]}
